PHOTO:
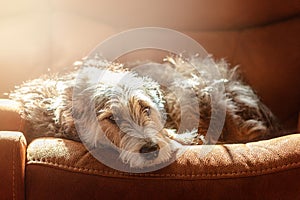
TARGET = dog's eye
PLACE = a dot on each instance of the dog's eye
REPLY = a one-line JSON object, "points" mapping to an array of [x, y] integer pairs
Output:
{"points": [[147, 110], [112, 119]]}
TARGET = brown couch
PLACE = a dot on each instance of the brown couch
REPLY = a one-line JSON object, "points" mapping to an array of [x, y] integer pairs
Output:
{"points": [[52, 168], [262, 36]]}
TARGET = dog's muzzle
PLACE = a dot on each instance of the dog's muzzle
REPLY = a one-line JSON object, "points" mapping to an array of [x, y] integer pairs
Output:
{"points": [[150, 151]]}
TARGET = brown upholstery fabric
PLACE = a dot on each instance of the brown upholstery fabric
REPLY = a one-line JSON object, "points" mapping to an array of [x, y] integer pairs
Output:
{"points": [[10, 119], [69, 185], [188, 15], [266, 169], [223, 161], [12, 165]]}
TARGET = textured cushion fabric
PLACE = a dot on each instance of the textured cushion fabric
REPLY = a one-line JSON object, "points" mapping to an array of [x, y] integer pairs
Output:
{"points": [[264, 169], [12, 165]]}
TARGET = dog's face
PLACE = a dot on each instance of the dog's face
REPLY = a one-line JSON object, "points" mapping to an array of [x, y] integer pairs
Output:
{"points": [[134, 124], [130, 114]]}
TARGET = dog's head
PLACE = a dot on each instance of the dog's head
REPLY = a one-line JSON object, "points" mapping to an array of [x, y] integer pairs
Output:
{"points": [[129, 113]]}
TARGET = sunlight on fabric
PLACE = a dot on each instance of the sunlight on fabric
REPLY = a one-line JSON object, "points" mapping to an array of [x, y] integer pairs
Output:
{"points": [[5, 103], [47, 149]]}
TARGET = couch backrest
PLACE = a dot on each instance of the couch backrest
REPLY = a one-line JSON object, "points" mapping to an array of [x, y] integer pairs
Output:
{"points": [[261, 36]]}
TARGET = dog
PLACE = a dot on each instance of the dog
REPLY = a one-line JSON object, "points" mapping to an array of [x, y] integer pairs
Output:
{"points": [[102, 102]]}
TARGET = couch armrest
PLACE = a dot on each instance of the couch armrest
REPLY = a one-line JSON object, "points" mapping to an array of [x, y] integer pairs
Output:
{"points": [[10, 119], [12, 165]]}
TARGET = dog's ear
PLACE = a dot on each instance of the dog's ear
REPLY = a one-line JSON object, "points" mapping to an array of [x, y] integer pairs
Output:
{"points": [[88, 99]]}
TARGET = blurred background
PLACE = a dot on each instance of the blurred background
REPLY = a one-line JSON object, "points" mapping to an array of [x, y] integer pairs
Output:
{"points": [[260, 35]]}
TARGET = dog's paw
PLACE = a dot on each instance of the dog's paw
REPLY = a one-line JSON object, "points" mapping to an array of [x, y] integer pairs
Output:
{"points": [[188, 138], [193, 137]]}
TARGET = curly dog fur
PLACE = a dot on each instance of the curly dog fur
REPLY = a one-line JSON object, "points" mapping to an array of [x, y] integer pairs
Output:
{"points": [[135, 113]]}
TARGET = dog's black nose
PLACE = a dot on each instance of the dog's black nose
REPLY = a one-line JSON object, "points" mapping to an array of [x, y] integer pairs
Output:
{"points": [[150, 151]]}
